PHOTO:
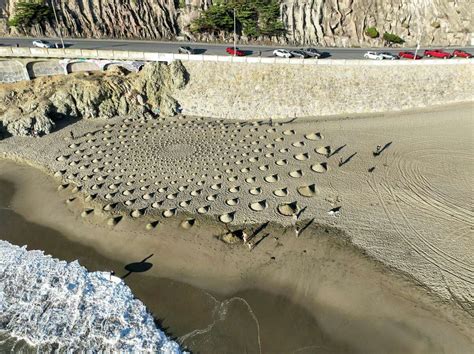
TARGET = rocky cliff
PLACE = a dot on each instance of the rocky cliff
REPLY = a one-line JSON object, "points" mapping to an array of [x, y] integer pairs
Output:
{"points": [[33, 108], [322, 22]]}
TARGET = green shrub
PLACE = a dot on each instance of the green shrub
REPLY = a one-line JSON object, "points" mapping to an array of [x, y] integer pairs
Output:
{"points": [[30, 12], [392, 38], [372, 32], [253, 18]]}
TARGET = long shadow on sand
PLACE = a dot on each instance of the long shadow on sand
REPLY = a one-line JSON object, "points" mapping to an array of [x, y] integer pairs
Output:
{"points": [[138, 267]]}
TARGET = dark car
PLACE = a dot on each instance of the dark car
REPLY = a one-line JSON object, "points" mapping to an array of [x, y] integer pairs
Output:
{"points": [[185, 50], [409, 55], [461, 54], [312, 52], [299, 54], [234, 52]]}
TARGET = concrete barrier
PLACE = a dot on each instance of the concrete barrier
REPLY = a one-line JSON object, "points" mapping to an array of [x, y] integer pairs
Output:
{"points": [[169, 57]]}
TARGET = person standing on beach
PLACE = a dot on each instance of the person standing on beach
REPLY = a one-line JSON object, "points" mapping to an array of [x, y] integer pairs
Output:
{"points": [[71, 134]]}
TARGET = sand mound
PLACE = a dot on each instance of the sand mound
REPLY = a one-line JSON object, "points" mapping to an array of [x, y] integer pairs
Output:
{"points": [[288, 209], [323, 150], [314, 136], [227, 217], [320, 167], [307, 191], [258, 206]]}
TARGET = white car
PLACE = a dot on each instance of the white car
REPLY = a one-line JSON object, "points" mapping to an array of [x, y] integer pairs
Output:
{"points": [[282, 53], [42, 44], [373, 55]]}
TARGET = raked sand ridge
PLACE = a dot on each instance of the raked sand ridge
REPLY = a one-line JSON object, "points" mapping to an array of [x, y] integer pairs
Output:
{"points": [[409, 206]]}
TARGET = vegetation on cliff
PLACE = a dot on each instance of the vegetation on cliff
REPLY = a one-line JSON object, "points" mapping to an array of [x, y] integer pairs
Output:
{"points": [[392, 38], [254, 18], [30, 12]]}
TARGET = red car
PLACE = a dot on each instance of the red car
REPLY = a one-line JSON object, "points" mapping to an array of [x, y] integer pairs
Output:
{"points": [[461, 54], [409, 55], [236, 52], [437, 53]]}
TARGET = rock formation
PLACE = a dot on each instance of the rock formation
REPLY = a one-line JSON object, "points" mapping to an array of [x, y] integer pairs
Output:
{"points": [[27, 110], [316, 22]]}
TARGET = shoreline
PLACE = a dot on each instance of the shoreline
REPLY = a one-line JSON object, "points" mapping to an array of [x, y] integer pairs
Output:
{"points": [[216, 267]]}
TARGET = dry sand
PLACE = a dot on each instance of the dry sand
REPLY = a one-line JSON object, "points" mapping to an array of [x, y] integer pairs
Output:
{"points": [[409, 207]]}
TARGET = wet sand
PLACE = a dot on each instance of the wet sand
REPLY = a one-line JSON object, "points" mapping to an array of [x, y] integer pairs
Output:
{"points": [[317, 293]]}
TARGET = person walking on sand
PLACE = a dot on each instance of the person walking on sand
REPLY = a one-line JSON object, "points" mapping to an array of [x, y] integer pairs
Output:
{"points": [[341, 162], [378, 150], [71, 134]]}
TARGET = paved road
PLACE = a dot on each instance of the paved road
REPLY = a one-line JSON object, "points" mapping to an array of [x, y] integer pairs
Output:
{"points": [[203, 48]]}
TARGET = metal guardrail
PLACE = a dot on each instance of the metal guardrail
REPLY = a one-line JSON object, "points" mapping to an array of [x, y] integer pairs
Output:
{"points": [[169, 57]]}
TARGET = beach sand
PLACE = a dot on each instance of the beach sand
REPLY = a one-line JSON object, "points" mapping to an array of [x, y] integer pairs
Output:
{"points": [[373, 276]]}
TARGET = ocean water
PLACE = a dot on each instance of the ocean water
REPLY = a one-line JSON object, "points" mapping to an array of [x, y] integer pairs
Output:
{"points": [[48, 304]]}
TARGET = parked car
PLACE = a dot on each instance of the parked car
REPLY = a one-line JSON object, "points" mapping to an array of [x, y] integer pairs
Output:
{"points": [[461, 54], [373, 55], [282, 53], [299, 54], [42, 44], [389, 56], [437, 53], [185, 50], [236, 52], [311, 52], [409, 55]]}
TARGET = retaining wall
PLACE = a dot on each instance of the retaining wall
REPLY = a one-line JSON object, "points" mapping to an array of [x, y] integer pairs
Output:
{"points": [[259, 91]]}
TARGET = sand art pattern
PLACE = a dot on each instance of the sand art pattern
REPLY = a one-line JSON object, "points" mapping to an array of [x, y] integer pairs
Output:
{"points": [[235, 170]]}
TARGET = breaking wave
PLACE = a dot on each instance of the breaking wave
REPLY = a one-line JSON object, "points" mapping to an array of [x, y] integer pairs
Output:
{"points": [[56, 305]]}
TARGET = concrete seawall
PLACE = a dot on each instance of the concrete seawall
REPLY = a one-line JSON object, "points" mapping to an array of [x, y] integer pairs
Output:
{"points": [[260, 91]]}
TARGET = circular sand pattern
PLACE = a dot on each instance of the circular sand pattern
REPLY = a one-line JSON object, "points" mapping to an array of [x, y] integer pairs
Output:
{"points": [[185, 164]]}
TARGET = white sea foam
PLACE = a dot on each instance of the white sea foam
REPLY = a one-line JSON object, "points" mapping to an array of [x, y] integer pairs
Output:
{"points": [[54, 304]]}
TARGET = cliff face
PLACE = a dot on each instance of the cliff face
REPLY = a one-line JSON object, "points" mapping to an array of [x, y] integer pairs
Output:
{"points": [[322, 22]]}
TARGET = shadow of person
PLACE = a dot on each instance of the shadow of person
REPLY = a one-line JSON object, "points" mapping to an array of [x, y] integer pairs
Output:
{"points": [[379, 151], [138, 267]]}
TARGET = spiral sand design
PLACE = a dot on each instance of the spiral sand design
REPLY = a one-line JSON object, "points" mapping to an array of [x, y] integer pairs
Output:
{"points": [[193, 165]]}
